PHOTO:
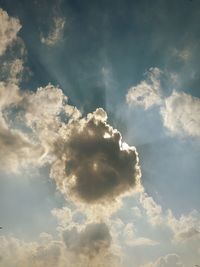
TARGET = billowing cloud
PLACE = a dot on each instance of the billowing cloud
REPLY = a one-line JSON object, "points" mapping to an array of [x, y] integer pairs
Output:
{"points": [[148, 92], [9, 27], [56, 32], [180, 114], [95, 164], [167, 261]]}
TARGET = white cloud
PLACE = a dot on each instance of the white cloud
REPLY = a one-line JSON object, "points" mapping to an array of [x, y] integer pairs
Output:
{"points": [[56, 32], [9, 27], [148, 92]]}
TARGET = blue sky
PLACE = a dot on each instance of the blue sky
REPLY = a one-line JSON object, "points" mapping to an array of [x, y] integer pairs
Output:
{"points": [[108, 72]]}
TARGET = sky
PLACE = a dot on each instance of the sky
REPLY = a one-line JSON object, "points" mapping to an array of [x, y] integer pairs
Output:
{"points": [[99, 133]]}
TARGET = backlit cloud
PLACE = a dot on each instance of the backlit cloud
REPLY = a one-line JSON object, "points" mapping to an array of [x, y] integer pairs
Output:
{"points": [[95, 164]]}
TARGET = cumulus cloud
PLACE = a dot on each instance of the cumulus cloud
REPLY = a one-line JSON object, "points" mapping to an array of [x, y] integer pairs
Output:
{"points": [[56, 32], [95, 164], [167, 261], [9, 27], [148, 92], [180, 114]]}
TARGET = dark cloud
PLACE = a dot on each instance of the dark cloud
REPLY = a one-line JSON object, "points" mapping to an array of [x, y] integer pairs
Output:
{"points": [[94, 239], [97, 165]]}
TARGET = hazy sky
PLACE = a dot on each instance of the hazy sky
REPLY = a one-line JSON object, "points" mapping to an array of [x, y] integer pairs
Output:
{"points": [[99, 133]]}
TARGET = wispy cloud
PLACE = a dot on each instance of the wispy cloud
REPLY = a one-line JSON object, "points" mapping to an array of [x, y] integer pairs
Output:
{"points": [[56, 32]]}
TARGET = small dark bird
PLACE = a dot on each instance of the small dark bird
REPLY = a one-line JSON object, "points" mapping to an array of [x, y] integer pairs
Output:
{"points": [[1, 227]]}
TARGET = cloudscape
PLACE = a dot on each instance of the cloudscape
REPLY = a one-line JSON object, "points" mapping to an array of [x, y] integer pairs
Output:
{"points": [[99, 133]]}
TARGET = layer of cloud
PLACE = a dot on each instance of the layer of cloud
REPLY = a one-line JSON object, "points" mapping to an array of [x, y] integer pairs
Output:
{"points": [[9, 27], [56, 32], [167, 261]]}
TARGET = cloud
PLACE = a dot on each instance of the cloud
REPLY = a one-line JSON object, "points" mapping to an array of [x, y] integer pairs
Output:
{"points": [[9, 27], [180, 114], [185, 228], [95, 164], [88, 159], [148, 92], [153, 210], [15, 252], [130, 238], [170, 260], [92, 240], [137, 212], [12, 71], [56, 32], [92, 244], [17, 150]]}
